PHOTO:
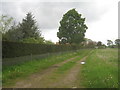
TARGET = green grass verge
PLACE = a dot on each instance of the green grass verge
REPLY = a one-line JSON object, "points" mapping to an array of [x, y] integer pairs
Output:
{"points": [[101, 69], [10, 74], [65, 67]]}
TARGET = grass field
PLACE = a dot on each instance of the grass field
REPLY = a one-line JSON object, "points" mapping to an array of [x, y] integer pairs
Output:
{"points": [[10, 74], [101, 69]]}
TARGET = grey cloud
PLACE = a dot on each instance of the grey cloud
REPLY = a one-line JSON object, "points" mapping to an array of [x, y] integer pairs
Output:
{"points": [[12, 9], [48, 14]]}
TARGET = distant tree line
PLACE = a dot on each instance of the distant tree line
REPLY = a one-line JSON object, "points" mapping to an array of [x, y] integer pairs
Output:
{"points": [[93, 44], [110, 44], [114, 44]]}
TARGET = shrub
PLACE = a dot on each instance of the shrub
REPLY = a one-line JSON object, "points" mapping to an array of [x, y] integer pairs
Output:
{"points": [[16, 49]]}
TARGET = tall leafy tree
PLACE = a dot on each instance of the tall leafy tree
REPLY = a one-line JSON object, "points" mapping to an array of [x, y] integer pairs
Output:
{"points": [[99, 43], [13, 34], [29, 27], [109, 43], [8, 28], [72, 28], [5, 23], [117, 41]]}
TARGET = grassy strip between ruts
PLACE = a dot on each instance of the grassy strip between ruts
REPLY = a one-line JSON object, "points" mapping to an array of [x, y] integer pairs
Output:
{"points": [[70, 64], [101, 69], [10, 74]]}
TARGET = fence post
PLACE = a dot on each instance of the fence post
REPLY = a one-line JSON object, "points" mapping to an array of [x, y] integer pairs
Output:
{"points": [[31, 56]]}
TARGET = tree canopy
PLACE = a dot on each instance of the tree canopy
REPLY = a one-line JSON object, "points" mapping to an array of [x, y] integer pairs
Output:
{"points": [[99, 43], [72, 28], [29, 27], [117, 41], [27, 31], [13, 34], [109, 43], [5, 23]]}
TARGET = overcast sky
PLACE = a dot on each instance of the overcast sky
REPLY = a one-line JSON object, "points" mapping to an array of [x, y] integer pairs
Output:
{"points": [[101, 15]]}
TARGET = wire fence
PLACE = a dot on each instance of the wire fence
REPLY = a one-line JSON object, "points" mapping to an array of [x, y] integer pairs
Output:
{"points": [[6, 62]]}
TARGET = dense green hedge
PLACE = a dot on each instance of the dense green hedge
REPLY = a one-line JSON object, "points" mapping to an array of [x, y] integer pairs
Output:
{"points": [[16, 49]]}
